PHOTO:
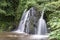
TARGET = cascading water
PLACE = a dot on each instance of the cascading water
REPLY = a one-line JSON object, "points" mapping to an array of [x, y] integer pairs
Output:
{"points": [[21, 26], [42, 29], [25, 21], [27, 24], [29, 19]]}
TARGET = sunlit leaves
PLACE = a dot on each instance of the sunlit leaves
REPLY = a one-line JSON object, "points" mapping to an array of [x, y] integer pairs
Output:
{"points": [[2, 11], [54, 19]]}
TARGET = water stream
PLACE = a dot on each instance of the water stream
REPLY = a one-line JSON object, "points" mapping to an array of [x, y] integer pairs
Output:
{"points": [[42, 28], [22, 23]]}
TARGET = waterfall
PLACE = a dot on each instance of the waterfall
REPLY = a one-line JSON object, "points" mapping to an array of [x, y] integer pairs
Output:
{"points": [[42, 14], [22, 23], [27, 17], [42, 29], [28, 24]]}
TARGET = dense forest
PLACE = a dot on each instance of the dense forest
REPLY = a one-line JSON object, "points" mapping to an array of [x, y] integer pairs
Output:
{"points": [[11, 12]]}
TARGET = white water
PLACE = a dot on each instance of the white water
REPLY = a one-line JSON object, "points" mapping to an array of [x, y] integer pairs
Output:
{"points": [[42, 29], [27, 24], [25, 21], [21, 26], [39, 37]]}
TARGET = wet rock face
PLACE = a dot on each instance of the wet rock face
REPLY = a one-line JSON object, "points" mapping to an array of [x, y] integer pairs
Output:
{"points": [[31, 23], [34, 17]]}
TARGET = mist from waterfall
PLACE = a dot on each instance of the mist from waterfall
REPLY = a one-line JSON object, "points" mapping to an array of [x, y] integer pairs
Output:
{"points": [[42, 28]]}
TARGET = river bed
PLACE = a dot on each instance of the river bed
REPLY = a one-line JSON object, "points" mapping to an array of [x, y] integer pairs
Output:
{"points": [[21, 36]]}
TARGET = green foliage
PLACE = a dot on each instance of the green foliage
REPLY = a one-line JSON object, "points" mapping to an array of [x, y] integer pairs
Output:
{"points": [[53, 19], [7, 14], [55, 35], [21, 7]]}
